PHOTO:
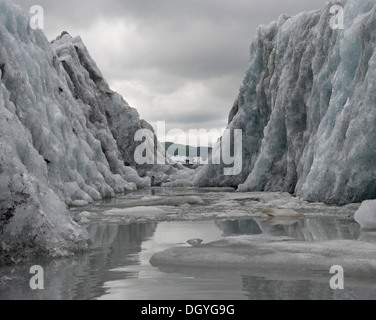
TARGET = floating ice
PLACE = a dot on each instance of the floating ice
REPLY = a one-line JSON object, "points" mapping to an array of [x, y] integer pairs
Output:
{"points": [[183, 178], [195, 242], [80, 203], [134, 212], [318, 222], [280, 213], [159, 201], [366, 214], [267, 256]]}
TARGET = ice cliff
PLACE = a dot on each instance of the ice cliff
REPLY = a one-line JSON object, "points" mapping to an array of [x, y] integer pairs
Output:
{"points": [[65, 138], [307, 108]]}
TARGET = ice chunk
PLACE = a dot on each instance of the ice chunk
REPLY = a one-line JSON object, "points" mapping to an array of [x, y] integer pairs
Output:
{"points": [[279, 213], [86, 214], [195, 242], [183, 178], [266, 256], [159, 201], [138, 211], [80, 203], [366, 214]]}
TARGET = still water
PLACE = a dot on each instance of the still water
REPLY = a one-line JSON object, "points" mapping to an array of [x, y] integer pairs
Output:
{"points": [[118, 265]]}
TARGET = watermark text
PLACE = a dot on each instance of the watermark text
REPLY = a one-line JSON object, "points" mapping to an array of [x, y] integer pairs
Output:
{"points": [[37, 281], [337, 282], [36, 18], [337, 22], [227, 151]]}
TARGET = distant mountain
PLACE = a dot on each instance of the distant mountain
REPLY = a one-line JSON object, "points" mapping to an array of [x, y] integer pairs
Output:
{"points": [[174, 149]]}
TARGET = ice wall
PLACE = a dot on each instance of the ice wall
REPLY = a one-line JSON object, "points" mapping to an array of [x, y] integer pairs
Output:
{"points": [[65, 138], [307, 108]]}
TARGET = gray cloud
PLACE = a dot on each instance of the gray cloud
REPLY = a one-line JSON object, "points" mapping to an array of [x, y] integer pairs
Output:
{"points": [[181, 61]]}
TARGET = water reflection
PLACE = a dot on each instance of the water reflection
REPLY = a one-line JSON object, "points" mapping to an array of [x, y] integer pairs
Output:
{"points": [[84, 276], [368, 235], [118, 265], [239, 227], [317, 229], [260, 289]]}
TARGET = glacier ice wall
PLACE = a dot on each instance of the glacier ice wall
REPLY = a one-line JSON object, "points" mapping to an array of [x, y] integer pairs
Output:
{"points": [[307, 108], [65, 138], [108, 117]]}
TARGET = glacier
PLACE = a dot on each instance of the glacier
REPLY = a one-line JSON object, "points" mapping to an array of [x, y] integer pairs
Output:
{"points": [[65, 139], [307, 109]]}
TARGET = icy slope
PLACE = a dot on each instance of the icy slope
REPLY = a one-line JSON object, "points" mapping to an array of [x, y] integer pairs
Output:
{"points": [[65, 138], [307, 108], [108, 117], [33, 220]]}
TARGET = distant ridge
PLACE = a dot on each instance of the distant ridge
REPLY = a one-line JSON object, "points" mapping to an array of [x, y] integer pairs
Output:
{"points": [[189, 150]]}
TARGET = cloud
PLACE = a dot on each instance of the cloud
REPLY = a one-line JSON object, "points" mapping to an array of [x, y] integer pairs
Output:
{"points": [[181, 61]]}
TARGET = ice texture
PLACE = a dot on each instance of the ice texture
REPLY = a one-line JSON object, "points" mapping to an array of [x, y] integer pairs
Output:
{"points": [[139, 211], [159, 201], [307, 108], [65, 138], [197, 204], [271, 256], [182, 178], [366, 214]]}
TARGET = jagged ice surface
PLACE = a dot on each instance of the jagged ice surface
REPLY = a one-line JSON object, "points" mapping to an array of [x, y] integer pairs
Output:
{"points": [[307, 109], [65, 138]]}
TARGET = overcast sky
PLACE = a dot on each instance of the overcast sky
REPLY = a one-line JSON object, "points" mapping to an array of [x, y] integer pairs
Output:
{"points": [[179, 61]]}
